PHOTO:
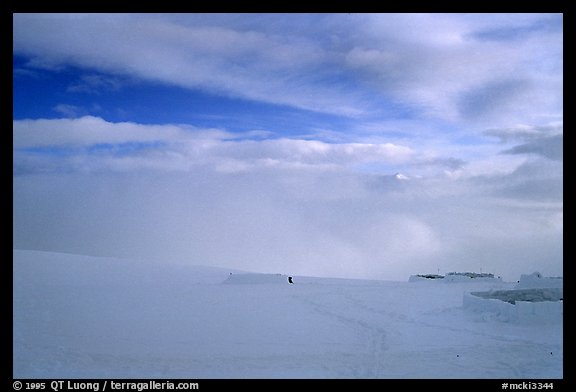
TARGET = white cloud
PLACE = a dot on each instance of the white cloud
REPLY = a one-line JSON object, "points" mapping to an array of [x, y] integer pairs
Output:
{"points": [[278, 205], [87, 131], [430, 60], [485, 70], [130, 146], [248, 64], [526, 132], [314, 152], [93, 84], [288, 205]]}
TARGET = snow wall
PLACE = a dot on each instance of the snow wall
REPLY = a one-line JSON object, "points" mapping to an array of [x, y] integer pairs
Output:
{"points": [[452, 279], [521, 311], [256, 279], [463, 278], [536, 280]]}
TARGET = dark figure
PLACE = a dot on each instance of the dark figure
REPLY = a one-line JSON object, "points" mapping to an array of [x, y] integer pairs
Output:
{"points": [[290, 280]]}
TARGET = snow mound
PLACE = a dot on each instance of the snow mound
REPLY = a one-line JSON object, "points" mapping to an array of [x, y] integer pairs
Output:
{"points": [[536, 280], [254, 278]]}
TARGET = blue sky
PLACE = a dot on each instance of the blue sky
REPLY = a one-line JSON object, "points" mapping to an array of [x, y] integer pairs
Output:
{"points": [[118, 99], [334, 104]]}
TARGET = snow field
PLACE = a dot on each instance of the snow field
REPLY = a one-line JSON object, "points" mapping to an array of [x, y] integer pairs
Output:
{"points": [[85, 317]]}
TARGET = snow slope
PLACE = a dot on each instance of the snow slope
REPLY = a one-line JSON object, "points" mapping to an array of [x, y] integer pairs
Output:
{"points": [[86, 317]]}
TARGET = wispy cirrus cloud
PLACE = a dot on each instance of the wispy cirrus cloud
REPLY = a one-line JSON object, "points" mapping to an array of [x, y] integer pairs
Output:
{"points": [[94, 83], [445, 66], [67, 110], [525, 132]]}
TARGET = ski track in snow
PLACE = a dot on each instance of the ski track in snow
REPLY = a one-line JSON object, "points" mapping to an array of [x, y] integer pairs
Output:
{"points": [[376, 335], [382, 362], [81, 317]]}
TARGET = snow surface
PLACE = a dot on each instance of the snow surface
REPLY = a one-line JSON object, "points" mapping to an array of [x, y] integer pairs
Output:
{"points": [[87, 317], [247, 278]]}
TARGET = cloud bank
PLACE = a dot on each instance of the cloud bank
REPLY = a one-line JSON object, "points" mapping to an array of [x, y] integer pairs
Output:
{"points": [[183, 194]]}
